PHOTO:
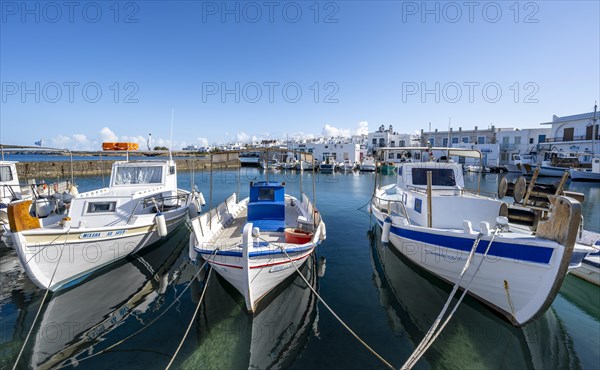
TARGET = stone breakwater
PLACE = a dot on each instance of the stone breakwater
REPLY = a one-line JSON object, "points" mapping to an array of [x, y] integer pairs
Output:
{"points": [[62, 169]]}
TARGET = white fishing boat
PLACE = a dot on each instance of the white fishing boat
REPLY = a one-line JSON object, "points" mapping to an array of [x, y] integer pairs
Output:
{"points": [[272, 164], [347, 166], [431, 218], [141, 205], [254, 243], [590, 174], [368, 164], [10, 191], [305, 165], [327, 166], [250, 159], [521, 163]]}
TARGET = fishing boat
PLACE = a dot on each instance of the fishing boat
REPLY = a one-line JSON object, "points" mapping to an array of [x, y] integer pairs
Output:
{"points": [[387, 168], [327, 166], [347, 166], [431, 218], [590, 174], [305, 165], [367, 164], [255, 243], [272, 164], [141, 205]]}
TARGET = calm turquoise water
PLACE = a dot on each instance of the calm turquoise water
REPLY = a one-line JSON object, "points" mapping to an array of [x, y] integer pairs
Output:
{"points": [[389, 302]]}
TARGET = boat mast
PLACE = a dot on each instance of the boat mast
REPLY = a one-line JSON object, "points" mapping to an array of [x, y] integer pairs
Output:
{"points": [[594, 130]]}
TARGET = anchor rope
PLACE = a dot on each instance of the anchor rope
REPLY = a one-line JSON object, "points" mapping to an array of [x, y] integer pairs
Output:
{"points": [[176, 300], [37, 315], [192, 319], [329, 308], [433, 334]]}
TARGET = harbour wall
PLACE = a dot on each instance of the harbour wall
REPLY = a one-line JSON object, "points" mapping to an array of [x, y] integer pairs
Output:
{"points": [[52, 170]]}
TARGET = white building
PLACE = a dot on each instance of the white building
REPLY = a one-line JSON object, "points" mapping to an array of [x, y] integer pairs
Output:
{"points": [[339, 151], [383, 138], [572, 134], [519, 141]]}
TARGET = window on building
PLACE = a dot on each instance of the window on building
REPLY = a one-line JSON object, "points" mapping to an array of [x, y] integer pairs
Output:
{"points": [[530, 140], [517, 140], [465, 139], [402, 143], [505, 140], [432, 141], [374, 141], [393, 143], [381, 142], [445, 142], [454, 140], [481, 140]]}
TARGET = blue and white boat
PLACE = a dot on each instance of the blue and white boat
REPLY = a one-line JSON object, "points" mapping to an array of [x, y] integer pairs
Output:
{"points": [[255, 242], [431, 218]]}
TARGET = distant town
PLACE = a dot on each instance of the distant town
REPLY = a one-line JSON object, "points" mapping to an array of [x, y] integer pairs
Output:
{"points": [[575, 135]]}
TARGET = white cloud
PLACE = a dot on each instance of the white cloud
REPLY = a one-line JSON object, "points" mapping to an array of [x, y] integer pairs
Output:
{"points": [[202, 141], [106, 134], [362, 129], [329, 131], [242, 137]]}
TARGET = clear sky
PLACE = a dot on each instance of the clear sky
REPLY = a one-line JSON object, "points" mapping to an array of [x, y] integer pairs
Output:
{"points": [[77, 73]]}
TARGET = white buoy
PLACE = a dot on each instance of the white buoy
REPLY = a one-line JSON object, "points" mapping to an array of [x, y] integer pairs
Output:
{"points": [[201, 199], [385, 231], [323, 231], [161, 223]]}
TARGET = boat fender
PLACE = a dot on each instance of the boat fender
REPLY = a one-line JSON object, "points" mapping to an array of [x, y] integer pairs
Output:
{"points": [[255, 232], [323, 235], [73, 190], [385, 231], [193, 210], [192, 253], [161, 223]]}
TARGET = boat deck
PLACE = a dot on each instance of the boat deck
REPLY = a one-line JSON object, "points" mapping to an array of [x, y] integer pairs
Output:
{"points": [[231, 236]]}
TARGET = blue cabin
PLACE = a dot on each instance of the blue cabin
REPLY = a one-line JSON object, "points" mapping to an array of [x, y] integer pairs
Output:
{"points": [[266, 208]]}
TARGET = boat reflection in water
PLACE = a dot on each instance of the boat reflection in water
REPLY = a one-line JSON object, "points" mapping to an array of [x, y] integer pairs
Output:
{"points": [[274, 337], [475, 338], [85, 319]]}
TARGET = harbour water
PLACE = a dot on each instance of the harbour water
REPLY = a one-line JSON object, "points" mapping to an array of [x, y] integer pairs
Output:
{"points": [[134, 313]]}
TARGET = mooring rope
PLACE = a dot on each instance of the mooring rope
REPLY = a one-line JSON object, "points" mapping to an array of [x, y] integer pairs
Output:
{"points": [[430, 337], [42, 302], [192, 320], [329, 308], [176, 300]]}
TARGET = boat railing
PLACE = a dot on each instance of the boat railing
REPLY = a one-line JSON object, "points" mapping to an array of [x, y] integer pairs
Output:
{"points": [[310, 209], [163, 203], [388, 206]]}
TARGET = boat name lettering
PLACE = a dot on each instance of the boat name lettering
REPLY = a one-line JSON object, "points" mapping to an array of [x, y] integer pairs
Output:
{"points": [[445, 256], [101, 234], [280, 267]]}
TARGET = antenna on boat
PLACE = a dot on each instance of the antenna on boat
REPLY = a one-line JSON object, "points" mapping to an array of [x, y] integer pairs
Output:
{"points": [[594, 130], [171, 144], [448, 147]]}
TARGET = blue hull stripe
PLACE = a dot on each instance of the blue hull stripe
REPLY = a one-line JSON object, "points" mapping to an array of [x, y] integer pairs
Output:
{"points": [[272, 252], [519, 252]]}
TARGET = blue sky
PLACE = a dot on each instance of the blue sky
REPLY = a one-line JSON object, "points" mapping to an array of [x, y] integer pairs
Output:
{"points": [[76, 74]]}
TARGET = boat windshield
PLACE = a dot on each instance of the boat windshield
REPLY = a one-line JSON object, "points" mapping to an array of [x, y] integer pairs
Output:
{"points": [[439, 176], [138, 175], [5, 174]]}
